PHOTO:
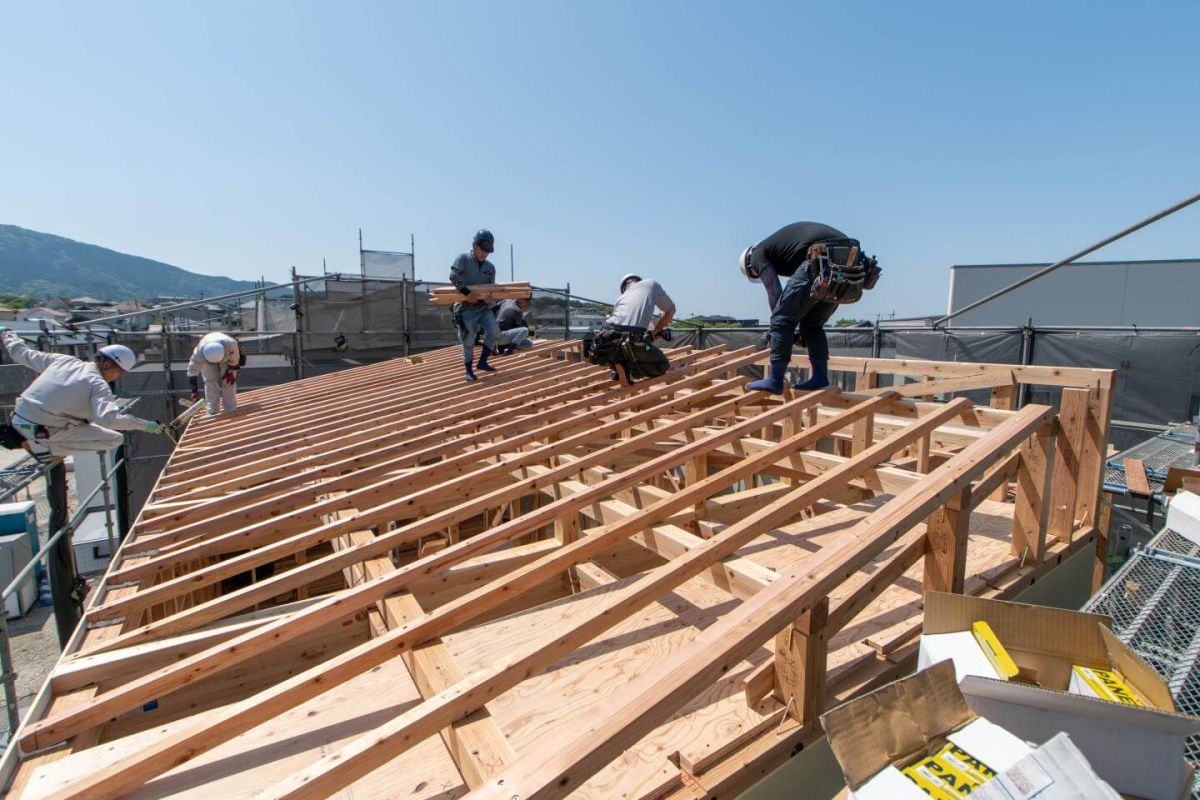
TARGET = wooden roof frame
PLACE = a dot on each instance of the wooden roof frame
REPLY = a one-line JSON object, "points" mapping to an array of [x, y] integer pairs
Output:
{"points": [[556, 465]]}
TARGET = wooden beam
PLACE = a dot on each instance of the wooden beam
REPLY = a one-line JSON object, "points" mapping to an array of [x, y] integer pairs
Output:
{"points": [[556, 771], [136, 693], [341, 768]]}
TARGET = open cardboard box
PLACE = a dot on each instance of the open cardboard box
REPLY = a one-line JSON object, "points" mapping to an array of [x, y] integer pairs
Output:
{"points": [[874, 736], [1138, 750]]}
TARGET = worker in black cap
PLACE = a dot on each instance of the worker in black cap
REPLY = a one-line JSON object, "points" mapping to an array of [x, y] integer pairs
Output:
{"points": [[471, 269]]}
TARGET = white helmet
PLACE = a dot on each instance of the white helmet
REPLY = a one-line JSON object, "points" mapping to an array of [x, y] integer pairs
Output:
{"points": [[212, 352], [628, 277], [119, 354], [744, 265]]}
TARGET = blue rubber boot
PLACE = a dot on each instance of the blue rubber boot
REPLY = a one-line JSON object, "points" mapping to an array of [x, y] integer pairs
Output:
{"points": [[470, 373], [773, 383], [818, 380], [483, 365]]}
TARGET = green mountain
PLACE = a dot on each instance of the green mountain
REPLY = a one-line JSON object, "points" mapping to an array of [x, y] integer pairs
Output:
{"points": [[41, 265]]}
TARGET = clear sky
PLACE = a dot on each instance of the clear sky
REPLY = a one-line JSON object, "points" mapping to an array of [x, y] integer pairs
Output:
{"points": [[604, 137]]}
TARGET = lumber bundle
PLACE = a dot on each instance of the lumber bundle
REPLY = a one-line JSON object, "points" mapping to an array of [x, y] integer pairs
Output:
{"points": [[544, 583], [488, 292]]}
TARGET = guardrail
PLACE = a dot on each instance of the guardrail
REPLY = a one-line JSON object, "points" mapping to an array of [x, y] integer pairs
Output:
{"points": [[7, 676]]}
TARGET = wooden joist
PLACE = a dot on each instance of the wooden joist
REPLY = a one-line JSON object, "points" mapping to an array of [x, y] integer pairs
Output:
{"points": [[731, 544]]}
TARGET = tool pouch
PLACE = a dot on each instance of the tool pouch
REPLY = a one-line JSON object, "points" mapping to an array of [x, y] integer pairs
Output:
{"points": [[632, 349], [10, 437], [840, 273]]}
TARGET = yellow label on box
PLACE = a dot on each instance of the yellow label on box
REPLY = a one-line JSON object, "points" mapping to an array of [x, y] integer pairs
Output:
{"points": [[948, 774], [1108, 686]]}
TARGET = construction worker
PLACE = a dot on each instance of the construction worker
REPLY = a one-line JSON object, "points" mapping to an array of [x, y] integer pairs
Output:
{"points": [[217, 359], [625, 341], [468, 270], [514, 329], [70, 408], [795, 309]]}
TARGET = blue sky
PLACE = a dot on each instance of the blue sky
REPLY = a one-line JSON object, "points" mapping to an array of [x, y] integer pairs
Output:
{"points": [[600, 138]]}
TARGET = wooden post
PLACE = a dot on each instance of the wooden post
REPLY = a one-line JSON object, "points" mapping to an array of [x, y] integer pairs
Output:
{"points": [[1100, 567], [946, 532], [1092, 455], [866, 380], [863, 434], [801, 653], [1003, 397], [923, 445], [1033, 495], [1072, 417]]}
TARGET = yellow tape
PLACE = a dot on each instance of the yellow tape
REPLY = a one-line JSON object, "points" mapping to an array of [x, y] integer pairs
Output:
{"points": [[1001, 661], [1108, 686]]}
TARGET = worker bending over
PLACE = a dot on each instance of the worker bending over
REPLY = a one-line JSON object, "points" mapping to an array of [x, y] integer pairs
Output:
{"points": [[514, 328], [217, 359], [470, 269], [625, 342], [824, 267], [70, 408]]}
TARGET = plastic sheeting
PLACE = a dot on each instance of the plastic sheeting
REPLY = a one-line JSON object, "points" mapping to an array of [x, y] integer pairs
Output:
{"points": [[384, 264], [1158, 373]]}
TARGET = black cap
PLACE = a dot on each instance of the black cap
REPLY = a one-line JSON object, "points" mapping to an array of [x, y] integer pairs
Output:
{"points": [[485, 240]]}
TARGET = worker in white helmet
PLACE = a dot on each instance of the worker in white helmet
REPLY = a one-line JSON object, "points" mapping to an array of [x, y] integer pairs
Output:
{"points": [[217, 359], [70, 408]]}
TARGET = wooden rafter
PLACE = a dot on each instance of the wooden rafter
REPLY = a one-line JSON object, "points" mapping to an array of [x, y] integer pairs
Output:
{"points": [[444, 512]]}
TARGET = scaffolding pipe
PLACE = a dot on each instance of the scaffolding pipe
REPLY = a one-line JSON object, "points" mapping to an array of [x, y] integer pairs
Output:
{"points": [[1048, 269], [190, 304]]}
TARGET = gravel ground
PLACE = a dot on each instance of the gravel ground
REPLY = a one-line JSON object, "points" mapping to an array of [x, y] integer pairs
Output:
{"points": [[34, 639]]}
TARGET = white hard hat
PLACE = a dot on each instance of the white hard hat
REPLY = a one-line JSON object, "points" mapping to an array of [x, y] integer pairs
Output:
{"points": [[744, 265], [212, 352], [627, 277], [120, 355]]}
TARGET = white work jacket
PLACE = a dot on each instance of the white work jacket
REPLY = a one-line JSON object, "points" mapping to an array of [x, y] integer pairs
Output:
{"points": [[229, 361], [68, 391]]}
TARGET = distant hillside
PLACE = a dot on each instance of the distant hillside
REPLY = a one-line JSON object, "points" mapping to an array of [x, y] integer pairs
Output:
{"points": [[41, 264]]}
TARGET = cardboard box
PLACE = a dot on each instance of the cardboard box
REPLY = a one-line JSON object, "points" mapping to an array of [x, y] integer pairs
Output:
{"points": [[1183, 516], [1137, 750], [908, 723]]}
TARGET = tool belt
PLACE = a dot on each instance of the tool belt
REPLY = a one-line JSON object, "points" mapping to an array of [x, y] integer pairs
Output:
{"points": [[632, 348], [13, 439], [840, 272]]}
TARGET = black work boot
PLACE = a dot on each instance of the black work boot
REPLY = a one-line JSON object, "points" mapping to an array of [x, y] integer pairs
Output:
{"points": [[470, 374], [483, 357]]}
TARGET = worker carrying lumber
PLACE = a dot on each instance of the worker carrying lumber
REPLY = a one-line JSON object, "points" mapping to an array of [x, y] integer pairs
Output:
{"points": [[216, 359], [625, 341], [824, 268], [474, 314], [70, 408], [514, 328]]}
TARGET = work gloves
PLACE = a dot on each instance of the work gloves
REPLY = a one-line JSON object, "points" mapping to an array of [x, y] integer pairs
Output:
{"points": [[194, 382], [230, 376], [156, 427]]}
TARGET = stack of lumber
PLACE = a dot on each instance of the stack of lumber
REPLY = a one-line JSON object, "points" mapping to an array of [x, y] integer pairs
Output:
{"points": [[490, 292]]}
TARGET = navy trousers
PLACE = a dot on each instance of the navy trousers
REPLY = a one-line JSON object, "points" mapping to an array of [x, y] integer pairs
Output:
{"points": [[795, 312]]}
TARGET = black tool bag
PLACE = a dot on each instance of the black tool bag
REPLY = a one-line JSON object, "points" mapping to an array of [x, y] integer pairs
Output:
{"points": [[632, 348], [10, 437], [840, 272]]}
